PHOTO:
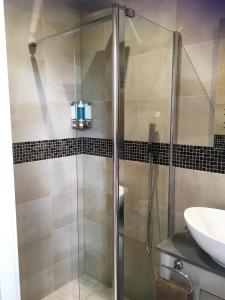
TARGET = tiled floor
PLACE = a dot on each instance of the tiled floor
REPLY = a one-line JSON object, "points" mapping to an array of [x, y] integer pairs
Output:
{"points": [[90, 289]]}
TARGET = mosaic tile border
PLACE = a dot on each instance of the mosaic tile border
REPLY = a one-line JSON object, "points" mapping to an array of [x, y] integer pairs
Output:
{"points": [[184, 156], [47, 149], [219, 141]]}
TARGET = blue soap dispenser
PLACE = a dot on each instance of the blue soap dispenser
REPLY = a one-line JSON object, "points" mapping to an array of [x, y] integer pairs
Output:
{"points": [[81, 114]]}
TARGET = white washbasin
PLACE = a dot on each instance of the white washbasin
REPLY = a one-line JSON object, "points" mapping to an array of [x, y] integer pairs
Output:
{"points": [[207, 226]]}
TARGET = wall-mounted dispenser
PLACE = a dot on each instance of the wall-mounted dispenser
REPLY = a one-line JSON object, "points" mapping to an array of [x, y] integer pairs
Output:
{"points": [[81, 115]]}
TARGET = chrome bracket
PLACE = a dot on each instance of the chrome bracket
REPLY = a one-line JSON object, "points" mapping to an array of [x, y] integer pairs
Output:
{"points": [[178, 265], [129, 12]]}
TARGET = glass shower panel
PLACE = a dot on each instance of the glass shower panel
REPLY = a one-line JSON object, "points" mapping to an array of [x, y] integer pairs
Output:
{"points": [[95, 171], [195, 127], [46, 185], [147, 91], [196, 99]]}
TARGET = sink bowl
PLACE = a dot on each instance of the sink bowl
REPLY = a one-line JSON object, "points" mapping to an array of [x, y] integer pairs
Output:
{"points": [[206, 225]]}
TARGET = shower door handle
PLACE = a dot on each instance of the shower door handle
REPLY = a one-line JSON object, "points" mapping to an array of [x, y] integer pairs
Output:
{"points": [[149, 238]]}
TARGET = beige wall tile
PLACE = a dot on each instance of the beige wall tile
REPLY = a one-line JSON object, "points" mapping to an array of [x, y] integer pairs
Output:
{"points": [[94, 77], [29, 122], [98, 268], [197, 188], [180, 225], [31, 181], [154, 73], [33, 219], [96, 239], [136, 260], [62, 174], [35, 257], [65, 271], [59, 122], [102, 121], [64, 242], [131, 120], [135, 219], [195, 121], [98, 206], [219, 119], [151, 78], [137, 33], [198, 74], [139, 114], [161, 175], [221, 54], [28, 101], [135, 180], [156, 111], [132, 82], [220, 90], [190, 82], [93, 40], [21, 27], [80, 170], [60, 82], [137, 288], [98, 173], [59, 49], [38, 286], [64, 208]]}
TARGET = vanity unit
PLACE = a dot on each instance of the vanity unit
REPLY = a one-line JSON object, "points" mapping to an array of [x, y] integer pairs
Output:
{"points": [[208, 277]]}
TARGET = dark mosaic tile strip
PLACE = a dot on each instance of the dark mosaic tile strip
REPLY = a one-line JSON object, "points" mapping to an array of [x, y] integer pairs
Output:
{"points": [[219, 141], [40, 150], [136, 151], [97, 147], [207, 159], [161, 153], [192, 157]]}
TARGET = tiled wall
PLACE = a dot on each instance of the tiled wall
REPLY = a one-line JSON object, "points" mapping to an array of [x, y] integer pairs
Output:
{"points": [[41, 89]]}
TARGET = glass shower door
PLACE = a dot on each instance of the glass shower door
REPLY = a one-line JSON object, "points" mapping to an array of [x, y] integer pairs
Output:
{"points": [[94, 54], [147, 101], [143, 75]]}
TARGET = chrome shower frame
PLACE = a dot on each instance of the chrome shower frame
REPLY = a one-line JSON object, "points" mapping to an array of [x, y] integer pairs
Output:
{"points": [[176, 64], [118, 57]]}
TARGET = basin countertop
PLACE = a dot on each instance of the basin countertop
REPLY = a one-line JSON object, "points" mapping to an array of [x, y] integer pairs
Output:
{"points": [[183, 246]]}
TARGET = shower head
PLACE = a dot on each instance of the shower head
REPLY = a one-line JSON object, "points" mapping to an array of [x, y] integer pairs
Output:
{"points": [[89, 6]]}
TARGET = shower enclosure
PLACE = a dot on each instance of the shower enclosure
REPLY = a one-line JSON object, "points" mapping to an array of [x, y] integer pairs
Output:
{"points": [[127, 67], [127, 75]]}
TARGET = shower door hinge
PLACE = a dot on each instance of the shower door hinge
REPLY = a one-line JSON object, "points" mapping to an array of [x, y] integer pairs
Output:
{"points": [[129, 12]]}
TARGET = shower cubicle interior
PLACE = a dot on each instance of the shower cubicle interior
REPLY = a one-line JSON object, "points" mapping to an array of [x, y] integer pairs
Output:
{"points": [[65, 202]]}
